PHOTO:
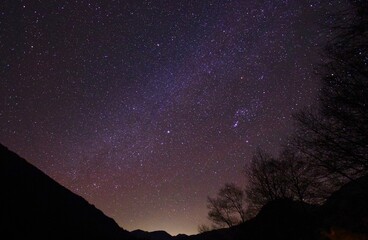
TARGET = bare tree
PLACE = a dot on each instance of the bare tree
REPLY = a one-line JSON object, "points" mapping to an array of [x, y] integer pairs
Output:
{"points": [[288, 176], [203, 228], [227, 209], [265, 180], [234, 197], [335, 136], [303, 180]]}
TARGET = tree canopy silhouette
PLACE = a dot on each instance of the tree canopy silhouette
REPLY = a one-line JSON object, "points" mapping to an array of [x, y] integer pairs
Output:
{"points": [[227, 208], [330, 144], [289, 176], [335, 136]]}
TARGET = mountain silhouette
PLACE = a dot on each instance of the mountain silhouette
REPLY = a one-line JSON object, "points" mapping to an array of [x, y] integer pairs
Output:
{"points": [[155, 235], [343, 216], [347, 208], [34, 206]]}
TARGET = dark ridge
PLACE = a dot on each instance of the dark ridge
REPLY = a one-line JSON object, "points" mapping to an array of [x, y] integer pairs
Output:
{"points": [[34, 206], [280, 219], [343, 216], [347, 208], [155, 235]]}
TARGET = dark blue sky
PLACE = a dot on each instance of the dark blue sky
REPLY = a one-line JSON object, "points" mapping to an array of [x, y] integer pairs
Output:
{"points": [[146, 107]]}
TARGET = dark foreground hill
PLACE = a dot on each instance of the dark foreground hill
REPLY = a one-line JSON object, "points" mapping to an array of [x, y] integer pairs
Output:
{"points": [[156, 235], [34, 206], [344, 216]]}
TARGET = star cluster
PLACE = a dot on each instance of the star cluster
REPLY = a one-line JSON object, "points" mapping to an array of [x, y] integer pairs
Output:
{"points": [[146, 107]]}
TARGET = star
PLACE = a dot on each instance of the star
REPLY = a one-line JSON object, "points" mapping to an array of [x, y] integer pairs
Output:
{"points": [[150, 95]]}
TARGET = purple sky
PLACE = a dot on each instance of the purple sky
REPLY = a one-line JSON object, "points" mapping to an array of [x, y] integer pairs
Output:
{"points": [[146, 107]]}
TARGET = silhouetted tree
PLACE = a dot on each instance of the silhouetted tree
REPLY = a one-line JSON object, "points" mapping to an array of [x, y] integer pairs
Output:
{"points": [[203, 228], [335, 136], [227, 209], [265, 180], [303, 181], [330, 145], [288, 176]]}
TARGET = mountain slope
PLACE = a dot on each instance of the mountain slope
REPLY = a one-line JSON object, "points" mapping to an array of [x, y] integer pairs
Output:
{"points": [[281, 219], [343, 216], [347, 208], [155, 235], [34, 205]]}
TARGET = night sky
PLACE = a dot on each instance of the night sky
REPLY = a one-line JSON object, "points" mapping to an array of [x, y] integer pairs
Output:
{"points": [[146, 107]]}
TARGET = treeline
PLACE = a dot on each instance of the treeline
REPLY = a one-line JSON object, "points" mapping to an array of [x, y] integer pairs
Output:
{"points": [[330, 144]]}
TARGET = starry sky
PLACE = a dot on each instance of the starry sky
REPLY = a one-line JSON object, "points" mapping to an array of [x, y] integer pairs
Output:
{"points": [[146, 107]]}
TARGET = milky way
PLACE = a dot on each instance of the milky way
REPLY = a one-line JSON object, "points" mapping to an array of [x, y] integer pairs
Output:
{"points": [[146, 107]]}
